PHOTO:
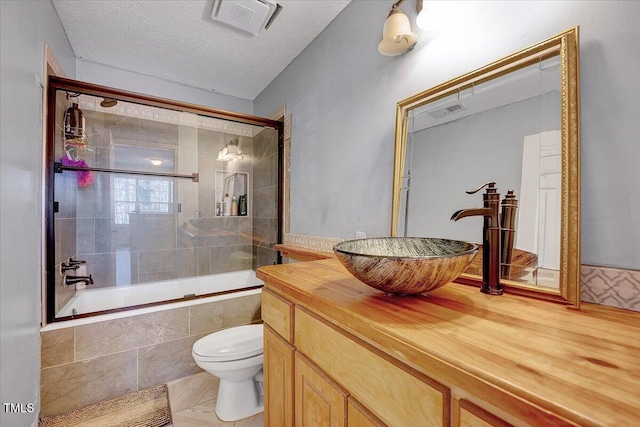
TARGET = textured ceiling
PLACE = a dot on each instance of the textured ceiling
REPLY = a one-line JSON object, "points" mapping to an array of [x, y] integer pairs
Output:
{"points": [[178, 41]]}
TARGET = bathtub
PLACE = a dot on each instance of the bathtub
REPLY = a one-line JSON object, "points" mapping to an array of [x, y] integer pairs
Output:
{"points": [[121, 301]]}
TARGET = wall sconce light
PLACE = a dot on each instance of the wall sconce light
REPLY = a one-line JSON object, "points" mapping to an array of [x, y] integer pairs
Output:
{"points": [[230, 151], [397, 37], [435, 15]]}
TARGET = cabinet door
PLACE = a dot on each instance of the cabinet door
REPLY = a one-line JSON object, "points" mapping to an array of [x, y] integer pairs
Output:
{"points": [[278, 380], [466, 414], [359, 416], [320, 402]]}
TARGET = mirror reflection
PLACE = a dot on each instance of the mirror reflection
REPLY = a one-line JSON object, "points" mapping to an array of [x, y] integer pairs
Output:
{"points": [[506, 130], [515, 123]]}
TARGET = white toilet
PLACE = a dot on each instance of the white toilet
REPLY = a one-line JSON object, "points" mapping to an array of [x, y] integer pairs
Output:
{"points": [[235, 356]]}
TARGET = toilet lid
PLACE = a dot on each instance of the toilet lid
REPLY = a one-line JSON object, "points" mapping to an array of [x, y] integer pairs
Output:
{"points": [[235, 343]]}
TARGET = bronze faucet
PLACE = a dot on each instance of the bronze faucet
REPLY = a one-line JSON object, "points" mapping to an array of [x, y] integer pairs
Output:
{"points": [[508, 223], [72, 280], [491, 252]]}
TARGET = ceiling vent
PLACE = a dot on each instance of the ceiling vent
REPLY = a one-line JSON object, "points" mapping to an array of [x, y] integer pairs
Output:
{"points": [[445, 111], [251, 16]]}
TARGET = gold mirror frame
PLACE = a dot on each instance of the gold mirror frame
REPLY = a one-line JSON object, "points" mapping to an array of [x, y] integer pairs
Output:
{"points": [[564, 45]]}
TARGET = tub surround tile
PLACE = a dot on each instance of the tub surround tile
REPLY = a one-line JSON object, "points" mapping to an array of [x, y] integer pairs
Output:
{"points": [[89, 363], [86, 242], [204, 261], [158, 265], [211, 317], [189, 263], [208, 317], [116, 335], [192, 390], [65, 231], [230, 258], [243, 311], [78, 384], [56, 347], [102, 267], [164, 362], [63, 293], [264, 256]]}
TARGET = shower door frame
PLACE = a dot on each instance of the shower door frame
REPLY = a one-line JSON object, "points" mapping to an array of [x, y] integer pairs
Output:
{"points": [[75, 86]]}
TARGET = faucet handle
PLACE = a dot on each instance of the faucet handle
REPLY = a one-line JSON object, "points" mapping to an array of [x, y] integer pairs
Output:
{"points": [[491, 188]]}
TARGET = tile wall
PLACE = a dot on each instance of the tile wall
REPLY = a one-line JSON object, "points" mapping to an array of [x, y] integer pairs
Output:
{"points": [[265, 205], [86, 364]]}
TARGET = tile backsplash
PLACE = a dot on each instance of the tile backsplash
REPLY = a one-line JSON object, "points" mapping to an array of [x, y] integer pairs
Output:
{"points": [[614, 287]]}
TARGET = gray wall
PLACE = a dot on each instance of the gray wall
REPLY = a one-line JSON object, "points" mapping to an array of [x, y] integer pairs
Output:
{"points": [[342, 95], [25, 26]]}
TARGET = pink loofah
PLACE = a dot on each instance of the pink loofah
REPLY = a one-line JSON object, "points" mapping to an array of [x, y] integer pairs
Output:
{"points": [[85, 178]]}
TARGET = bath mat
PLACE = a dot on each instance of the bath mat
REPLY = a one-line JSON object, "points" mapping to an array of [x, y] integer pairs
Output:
{"points": [[144, 408]]}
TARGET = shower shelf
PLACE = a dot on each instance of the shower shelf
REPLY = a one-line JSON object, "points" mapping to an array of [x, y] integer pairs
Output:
{"points": [[59, 168]]}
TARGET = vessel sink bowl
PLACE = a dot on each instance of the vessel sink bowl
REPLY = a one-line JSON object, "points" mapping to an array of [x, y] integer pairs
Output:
{"points": [[405, 265]]}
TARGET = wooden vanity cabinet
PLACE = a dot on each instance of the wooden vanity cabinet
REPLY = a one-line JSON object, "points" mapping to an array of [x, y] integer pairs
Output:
{"points": [[339, 353], [338, 379]]}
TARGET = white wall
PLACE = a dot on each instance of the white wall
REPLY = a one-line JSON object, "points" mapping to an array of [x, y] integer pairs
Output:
{"points": [[25, 27], [342, 95], [105, 75]]}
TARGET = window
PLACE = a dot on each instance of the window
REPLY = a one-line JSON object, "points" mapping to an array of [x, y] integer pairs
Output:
{"points": [[142, 195]]}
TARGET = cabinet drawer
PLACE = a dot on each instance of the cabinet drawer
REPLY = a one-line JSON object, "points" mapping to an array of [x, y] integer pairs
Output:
{"points": [[393, 394], [277, 313]]}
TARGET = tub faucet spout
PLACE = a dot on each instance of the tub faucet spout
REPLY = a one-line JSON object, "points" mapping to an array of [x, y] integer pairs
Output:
{"points": [[72, 280], [490, 237]]}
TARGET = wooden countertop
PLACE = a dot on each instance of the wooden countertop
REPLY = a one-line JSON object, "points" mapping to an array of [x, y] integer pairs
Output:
{"points": [[583, 365]]}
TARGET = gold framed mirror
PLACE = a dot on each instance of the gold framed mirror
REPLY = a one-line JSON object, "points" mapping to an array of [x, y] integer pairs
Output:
{"points": [[515, 122]]}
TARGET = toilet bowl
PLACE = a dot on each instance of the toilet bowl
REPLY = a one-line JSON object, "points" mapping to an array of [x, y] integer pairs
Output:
{"points": [[235, 356]]}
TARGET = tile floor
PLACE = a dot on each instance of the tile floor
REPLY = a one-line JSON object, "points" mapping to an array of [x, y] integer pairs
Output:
{"points": [[203, 415], [193, 399]]}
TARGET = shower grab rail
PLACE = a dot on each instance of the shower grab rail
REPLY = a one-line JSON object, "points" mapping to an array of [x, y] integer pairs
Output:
{"points": [[59, 168]]}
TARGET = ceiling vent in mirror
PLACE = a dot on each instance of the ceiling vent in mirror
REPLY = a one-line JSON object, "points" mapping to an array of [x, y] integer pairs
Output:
{"points": [[445, 111], [251, 16]]}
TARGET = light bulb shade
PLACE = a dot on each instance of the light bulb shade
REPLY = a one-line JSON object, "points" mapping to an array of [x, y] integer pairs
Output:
{"points": [[397, 37]]}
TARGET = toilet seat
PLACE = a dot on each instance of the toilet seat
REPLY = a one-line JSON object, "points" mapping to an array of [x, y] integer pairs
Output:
{"points": [[237, 343]]}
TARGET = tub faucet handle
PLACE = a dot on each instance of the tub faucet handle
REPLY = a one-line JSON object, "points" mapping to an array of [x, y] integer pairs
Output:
{"points": [[71, 265]]}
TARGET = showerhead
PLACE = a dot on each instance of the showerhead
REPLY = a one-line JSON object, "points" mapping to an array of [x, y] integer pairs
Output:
{"points": [[108, 102]]}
